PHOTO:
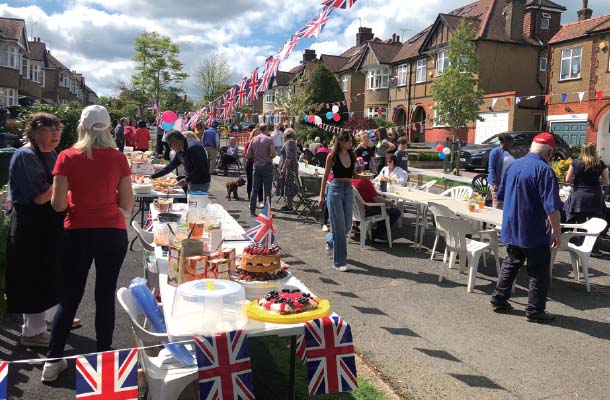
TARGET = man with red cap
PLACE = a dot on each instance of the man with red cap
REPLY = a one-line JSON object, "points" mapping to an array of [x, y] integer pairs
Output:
{"points": [[530, 227]]}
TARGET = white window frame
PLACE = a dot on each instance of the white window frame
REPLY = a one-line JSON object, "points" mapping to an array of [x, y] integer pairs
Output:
{"points": [[421, 70], [64, 80], [10, 57], [344, 82], [543, 64], [442, 62], [270, 96], [377, 78], [25, 65], [36, 71], [402, 74], [44, 78], [568, 55], [371, 112], [8, 97], [545, 23]]}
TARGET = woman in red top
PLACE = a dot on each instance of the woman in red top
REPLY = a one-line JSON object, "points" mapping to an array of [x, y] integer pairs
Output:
{"points": [[130, 133], [142, 137], [92, 181]]}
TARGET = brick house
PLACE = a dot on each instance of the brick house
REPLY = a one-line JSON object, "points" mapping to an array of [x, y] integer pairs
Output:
{"points": [[279, 87], [29, 73], [579, 81], [510, 43]]}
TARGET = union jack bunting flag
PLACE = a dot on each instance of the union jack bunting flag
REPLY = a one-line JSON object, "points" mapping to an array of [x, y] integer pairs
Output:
{"points": [[194, 118], [339, 3], [314, 27], [211, 114], [288, 47], [253, 85], [331, 366], [112, 375], [242, 92], [3, 380], [222, 107], [261, 230], [230, 101], [224, 369]]}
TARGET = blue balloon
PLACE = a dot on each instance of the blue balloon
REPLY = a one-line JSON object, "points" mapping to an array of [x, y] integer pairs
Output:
{"points": [[329, 115], [442, 155], [167, 126], [306, 118]]}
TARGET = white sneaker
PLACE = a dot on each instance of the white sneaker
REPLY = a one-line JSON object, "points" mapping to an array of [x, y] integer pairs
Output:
{"points": [[324, 228], [329, 250], [40, 340], [51, 370], [260, 205], [343, 268]]}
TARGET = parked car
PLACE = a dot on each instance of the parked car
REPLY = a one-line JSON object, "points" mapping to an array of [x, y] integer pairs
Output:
{"points": [[476, 156], [247, 126]]}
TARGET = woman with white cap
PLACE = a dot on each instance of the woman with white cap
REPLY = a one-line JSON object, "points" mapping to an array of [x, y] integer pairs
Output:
{"points": [[92, 182]]}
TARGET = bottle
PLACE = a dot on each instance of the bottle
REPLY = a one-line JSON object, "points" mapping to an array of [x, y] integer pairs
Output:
{"points": [[198, 200]]}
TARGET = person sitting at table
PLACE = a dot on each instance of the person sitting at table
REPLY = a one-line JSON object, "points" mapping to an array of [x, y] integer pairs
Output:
{"points": [[230, 155], [191, 154], [367, 191], [391, 172]]}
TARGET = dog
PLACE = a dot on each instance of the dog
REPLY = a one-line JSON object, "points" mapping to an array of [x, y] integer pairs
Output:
{"points": [[232, 188]]}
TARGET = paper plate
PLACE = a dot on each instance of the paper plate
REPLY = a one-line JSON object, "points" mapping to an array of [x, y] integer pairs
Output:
{"points": [[258, 313]]}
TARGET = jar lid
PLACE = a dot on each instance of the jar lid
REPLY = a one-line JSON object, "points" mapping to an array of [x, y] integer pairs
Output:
{"points": [[199, 290]]}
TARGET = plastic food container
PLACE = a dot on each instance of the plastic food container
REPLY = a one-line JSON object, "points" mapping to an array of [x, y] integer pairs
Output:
{"points": [[209, 305], [142, 188]]}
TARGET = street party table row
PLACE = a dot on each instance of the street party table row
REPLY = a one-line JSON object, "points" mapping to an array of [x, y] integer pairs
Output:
{"points": [[304, 169]]}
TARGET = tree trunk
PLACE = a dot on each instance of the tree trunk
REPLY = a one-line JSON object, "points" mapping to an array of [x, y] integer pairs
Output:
{"points": [[455, 155]]}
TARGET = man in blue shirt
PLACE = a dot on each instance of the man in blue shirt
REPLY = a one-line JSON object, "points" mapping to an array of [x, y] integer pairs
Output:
{"points": [[211, 141], [530, 227], [499, 160]]}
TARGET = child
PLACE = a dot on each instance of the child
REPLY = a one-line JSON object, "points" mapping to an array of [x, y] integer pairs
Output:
{"points": [[401, 154]]}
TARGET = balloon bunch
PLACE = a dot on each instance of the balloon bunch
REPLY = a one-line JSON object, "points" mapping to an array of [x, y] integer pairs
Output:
{"points": [[168, 120], [334, 115], [442, 151], [313, 119]]}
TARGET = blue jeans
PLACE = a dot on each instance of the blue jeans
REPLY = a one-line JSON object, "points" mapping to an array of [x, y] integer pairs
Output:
{"points": [[339, 203], [262, 177], [199, 187]]}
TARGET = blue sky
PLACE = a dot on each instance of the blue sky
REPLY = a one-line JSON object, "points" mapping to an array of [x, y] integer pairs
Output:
{"points": [[95, 37]]}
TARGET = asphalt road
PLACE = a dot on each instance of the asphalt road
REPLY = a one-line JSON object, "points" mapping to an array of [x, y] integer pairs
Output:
{"points": [[429, 340]]}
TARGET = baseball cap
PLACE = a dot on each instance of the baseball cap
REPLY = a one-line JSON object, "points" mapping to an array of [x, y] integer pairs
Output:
{"points": [[95, 117], [545, 138]]}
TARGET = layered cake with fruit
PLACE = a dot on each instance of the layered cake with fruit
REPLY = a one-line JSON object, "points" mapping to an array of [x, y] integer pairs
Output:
{"points": [[288, 302], [259, 263]]}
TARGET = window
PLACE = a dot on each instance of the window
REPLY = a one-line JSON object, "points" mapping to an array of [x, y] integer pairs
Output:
{"points": [[545, 22], [344, 81], [9, 57], [402, 75], [44, 78], [543, 63], [442, 62], [420, 72], [270, 96], [570, 63], [436, 121], [372, 112], [25, 68], [35, 71], [377, 78], [63, 102], [8, 97]]}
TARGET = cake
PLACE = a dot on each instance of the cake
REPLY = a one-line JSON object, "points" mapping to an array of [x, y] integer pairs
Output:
{"points": [[259, 263], [288, 302]]}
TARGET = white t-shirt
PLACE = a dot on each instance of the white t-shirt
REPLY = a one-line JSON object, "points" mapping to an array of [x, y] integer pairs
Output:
{"points": [[278, 138], [399, 175]]}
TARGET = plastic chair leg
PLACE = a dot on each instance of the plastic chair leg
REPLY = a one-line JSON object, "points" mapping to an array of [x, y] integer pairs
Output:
{"points": [[434, 246], [388, 231], [364, 232], [584, 262], [472, 275], [575, 262], [445, 255]]}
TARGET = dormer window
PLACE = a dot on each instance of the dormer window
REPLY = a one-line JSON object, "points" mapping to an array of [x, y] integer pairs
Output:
{"points": [[545, 21]]}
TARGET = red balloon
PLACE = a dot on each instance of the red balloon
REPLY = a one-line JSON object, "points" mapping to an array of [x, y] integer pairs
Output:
{"points": [[439, 148], [312, 118], [336, 117], [169, 116]]}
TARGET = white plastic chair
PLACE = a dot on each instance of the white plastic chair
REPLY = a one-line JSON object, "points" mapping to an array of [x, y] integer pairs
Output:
{"points": [[439, 210], [580, 255], [457, 244], [166, 377], [458, 192], [151, 272], [366, 222], [146, 239], [426, 186]]}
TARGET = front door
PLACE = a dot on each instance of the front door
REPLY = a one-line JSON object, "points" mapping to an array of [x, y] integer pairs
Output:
{"points": [[603, 138], [572, 132]]}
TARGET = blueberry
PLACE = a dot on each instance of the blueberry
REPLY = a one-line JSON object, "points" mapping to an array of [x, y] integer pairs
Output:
{"points": [[296, 291], [285, 290], [306, 295]]}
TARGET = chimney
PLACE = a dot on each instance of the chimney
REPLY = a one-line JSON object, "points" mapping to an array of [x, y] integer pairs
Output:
{"points": [[309, 55], [395, 39], [585, 12], [513, 11], [363, 35]]}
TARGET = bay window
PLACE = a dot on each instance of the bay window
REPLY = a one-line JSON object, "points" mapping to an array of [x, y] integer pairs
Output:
{"points": [[270, 96], [8, 97], [377, 78], [372, 112], [9, 57], [420, 72]]}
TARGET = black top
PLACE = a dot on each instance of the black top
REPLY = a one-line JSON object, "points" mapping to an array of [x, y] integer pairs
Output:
{"points": [[586, 198], [339, 171], [587, 180], [195, 161], [366, 153], [30, 174]]}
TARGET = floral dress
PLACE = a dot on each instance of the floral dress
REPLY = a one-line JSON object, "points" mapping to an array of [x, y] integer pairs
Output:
{"points": [[287, 184]]}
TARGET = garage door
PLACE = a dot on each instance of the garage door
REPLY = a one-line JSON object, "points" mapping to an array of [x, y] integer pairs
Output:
{"points": [[572, 132], [492, 124]]}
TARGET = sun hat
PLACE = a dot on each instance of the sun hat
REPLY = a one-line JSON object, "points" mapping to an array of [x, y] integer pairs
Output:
{"points": [[95, 117], [545, 138]]}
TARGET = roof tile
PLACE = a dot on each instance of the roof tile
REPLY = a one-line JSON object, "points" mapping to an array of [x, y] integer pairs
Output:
{"points": [[581, 28]]}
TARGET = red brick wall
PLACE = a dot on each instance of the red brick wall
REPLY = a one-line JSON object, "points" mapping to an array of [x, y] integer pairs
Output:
{"points": [[434, 135]]}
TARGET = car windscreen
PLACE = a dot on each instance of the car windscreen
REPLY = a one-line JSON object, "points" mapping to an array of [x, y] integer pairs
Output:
{"points": [[493, 140]]}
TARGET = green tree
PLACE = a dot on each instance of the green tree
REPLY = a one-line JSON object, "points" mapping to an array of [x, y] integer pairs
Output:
{"points": [[213, 75], [322, 88], [69, 115], [456, 91], [295, 101], [158, 69]]}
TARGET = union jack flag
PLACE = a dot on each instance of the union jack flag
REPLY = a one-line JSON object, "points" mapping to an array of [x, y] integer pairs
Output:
{"points": [[211, 114], [242, 92], [222, 106], [339, 3], [314, 27], [253, 85], [112, 375], [3, 380], [230, 101], [261, 230], [148, 224], [288, 47], [224, 366], [194, 118], [331, 365]]}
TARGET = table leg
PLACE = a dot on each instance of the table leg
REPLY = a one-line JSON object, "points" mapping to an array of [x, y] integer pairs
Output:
{"points": [[140, 201], [292, 382], [417, 211]]}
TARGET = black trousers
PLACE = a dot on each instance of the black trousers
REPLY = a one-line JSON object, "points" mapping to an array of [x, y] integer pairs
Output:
{"points": [[249, 180], [162, 147], [82, 247], [538, 260]]}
